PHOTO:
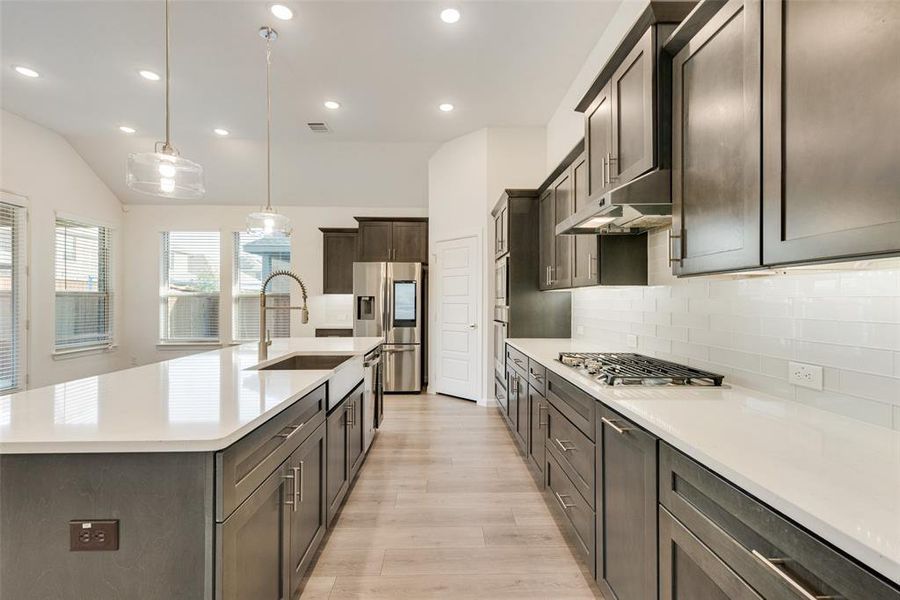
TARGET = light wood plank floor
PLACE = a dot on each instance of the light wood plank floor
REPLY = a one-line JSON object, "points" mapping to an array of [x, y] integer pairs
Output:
{"points": [[444, 507]]}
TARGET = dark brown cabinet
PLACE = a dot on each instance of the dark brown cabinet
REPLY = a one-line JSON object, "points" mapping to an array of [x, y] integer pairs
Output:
{"points": [[626, 507], [547, 239], [584, 252], [716, 144], [631, 93], [339, 252], [308, 510], [537, 437], [563, 207], [501, 230], [395, 240], [337, 476], [598, 141], [355, 428], [688, 570], [831, 137]]}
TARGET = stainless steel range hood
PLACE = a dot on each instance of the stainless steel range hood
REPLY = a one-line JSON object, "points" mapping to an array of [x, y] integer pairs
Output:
{"points": [[643, 203]]}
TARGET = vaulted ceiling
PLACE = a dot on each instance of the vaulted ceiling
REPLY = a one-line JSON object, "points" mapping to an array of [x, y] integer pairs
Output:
{"points": [[389, 64]]}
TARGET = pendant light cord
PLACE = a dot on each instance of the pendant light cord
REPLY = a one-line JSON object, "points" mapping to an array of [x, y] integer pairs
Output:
{"points": [[268, 121], [167, 147]]}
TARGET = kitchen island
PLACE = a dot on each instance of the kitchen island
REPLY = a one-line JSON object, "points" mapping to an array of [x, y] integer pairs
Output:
{"points": [[735, 489], [219, 472]]}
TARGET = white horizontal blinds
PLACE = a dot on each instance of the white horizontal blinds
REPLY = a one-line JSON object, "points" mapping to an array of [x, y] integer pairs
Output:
{"points": [[189, 290], [256, 256], [12, 288], [83, 286]]}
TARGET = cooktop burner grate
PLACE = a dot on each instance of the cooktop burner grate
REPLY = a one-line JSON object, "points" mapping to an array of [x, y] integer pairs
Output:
{"points": [[625, 368]]}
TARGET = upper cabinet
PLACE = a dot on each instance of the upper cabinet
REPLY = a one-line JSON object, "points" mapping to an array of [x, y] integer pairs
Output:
{"points": [[716, 144], [569, 261], [339, 252], [631, 93], [501, 230], [394, 240], [831, 137]]}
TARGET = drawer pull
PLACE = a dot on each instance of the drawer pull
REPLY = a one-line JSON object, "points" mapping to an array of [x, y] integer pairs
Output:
{"points": [[559, 498], [294, 429], [772, 564], [616, 428], [517, 361], [299, 473], [293, 501], [541, 409], [562, 444]]}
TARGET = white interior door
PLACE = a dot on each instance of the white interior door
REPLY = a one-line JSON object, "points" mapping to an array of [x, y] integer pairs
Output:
{"points": [[458, 339]]}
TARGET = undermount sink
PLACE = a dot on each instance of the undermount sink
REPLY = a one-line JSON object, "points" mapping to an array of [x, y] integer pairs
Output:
{"points": [[307, 362]]}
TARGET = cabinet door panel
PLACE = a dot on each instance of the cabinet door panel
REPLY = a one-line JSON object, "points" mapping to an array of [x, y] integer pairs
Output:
{"points": [[254, 544], [561, 275], [547, 234], [538, 427], [716, 164], [338, 256], [374, 243], [627, 509], [337, 476], [830, 133], [308, 519], [632, 104], [688, 570], [355, 432], [598, 140], [409, 241], [584, 258]]}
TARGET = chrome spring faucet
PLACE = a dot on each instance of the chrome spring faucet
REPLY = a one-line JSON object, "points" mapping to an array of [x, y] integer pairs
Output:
{"points": [[264, 340]]}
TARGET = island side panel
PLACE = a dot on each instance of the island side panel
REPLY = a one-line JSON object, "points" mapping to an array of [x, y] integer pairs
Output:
{"points": [[164, 504]]}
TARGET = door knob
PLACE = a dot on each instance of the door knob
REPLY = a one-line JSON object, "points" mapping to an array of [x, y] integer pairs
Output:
{"points": [[473, 326]]}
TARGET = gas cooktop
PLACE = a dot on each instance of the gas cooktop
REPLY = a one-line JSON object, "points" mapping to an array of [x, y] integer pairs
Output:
{"points": [[625, 368]]}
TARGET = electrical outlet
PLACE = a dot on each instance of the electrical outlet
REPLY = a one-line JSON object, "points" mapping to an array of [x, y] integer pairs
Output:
{"points": [[93, 535], [631, 340], [579, 330], [808, 376]]}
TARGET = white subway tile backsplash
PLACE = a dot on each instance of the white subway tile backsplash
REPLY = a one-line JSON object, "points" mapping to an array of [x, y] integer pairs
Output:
{"points": [[748, 328]]}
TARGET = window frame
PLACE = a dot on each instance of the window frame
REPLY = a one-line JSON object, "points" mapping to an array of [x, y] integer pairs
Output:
{"points": [[237, 295], [23, 293], [111, 343], [162, 265]]}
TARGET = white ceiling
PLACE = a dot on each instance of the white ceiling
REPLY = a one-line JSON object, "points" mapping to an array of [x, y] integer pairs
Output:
{"points": [[505, 63]]}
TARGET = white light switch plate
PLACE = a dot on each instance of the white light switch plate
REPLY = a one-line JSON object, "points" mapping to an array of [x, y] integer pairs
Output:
{"points": [[804, 375]]}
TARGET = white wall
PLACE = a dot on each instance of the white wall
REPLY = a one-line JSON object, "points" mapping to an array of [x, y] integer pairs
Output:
{"points": [[39, 164], [566, 127], [465, 179], [144, 223]]}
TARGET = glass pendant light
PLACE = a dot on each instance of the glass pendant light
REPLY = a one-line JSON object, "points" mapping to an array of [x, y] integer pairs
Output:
{"points": [[266, 221], [164, 172]]}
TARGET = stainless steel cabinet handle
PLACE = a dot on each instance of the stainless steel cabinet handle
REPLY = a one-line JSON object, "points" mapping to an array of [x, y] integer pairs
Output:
{"points": [[604, 166], [294, 429], [293, 495], [672, 238], [610, 159], [615, 427], [772, 564], [541, 409], [562, 444], [559, 498], [298, 487]]}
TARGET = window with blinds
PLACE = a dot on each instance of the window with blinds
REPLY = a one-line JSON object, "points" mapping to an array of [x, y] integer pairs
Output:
{"points": [[189, 287], [84, 300], [256, 256], [12, 297]]}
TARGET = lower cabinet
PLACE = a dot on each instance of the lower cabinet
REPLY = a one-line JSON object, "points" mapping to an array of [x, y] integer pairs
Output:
{"points": [[688, 570], [537, 438], [355, 434], [626, 508], [578, 514], [337, 476], [500, 395], [265, 545]]}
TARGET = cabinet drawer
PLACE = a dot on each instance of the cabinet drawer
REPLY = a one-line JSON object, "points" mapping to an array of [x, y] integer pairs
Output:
{"points": [[537, 377], [578, 514], [574, 452], [745, 534], [244, 465], [517, 360], [575, 405], [500, 394]]}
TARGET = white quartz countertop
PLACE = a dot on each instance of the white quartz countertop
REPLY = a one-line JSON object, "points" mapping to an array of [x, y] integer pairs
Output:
{"points": [[838, 477], [202, 402]]}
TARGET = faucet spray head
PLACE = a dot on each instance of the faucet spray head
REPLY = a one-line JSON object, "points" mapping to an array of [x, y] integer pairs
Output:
{"points": [[304, 314]]}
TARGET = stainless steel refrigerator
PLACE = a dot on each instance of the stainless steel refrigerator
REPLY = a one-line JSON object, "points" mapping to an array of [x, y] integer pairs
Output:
{"points": [[387, 303]]}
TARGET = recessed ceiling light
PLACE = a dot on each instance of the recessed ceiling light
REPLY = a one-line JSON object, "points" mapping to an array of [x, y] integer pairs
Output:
{"points": [[150, 75], [332, 104], [449, 15], [26, 71], [221, 132], [126, 129], [281, 12], [446, 107]]}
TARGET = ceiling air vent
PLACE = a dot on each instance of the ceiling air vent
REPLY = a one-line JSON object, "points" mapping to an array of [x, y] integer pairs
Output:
{"points": [[318, 127]]}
